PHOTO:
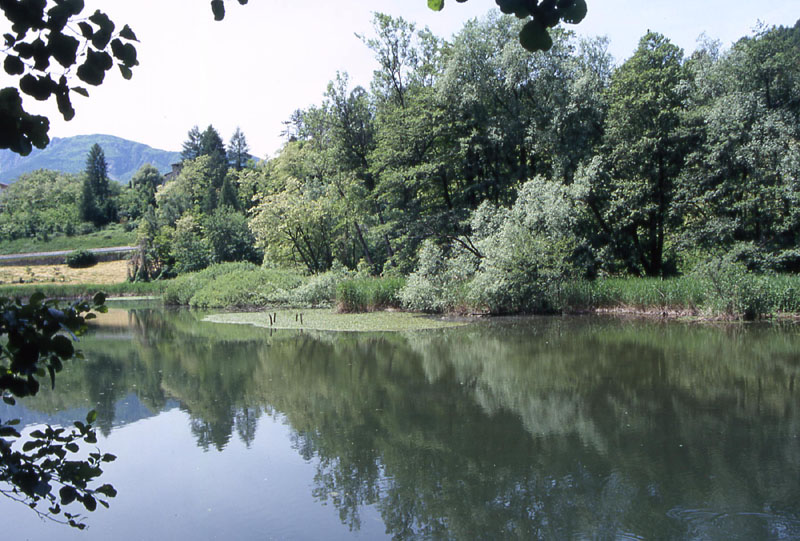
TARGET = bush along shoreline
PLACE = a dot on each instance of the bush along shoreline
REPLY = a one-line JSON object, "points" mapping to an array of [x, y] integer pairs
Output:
{"points": [[722, 291]]}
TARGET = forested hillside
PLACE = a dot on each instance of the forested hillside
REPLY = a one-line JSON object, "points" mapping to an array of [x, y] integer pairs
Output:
{"points": [[68, 155]]}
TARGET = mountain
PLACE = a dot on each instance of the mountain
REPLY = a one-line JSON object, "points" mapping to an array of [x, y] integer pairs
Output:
{"points": [[68, 154]]}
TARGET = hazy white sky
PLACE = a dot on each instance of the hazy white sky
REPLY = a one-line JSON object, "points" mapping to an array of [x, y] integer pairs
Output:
{"points": [[270, 57]]}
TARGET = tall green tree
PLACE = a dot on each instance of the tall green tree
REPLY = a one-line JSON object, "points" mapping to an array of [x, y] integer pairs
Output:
{"points": [[238, 150], [140, 193], [739, 187], [644, 153], [96, 203], [191, 147]]}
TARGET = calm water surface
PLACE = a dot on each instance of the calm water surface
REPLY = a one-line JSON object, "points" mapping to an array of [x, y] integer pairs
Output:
{"points": [[514, 429]]}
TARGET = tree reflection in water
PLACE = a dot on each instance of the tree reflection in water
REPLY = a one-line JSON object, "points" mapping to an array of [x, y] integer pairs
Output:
{"points": [[525, 428]]}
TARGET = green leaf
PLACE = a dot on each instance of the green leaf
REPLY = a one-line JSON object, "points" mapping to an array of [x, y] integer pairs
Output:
{"points": [[91, 417], [68, 495], [36, 298], [534, 37], [80, 90], [62, 346], [8, 432], [72, 447], [89, 503], [127, 33], [576, 13], [9, 400], [63, 48], [107, 490], [13, 65], [124, 52], [218, 8], [126, 72], [31, 445], [86, 30], [103, 35], [436, 5]]}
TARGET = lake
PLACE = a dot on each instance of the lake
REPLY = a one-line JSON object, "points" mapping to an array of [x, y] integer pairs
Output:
{"points": [[513, 428]]}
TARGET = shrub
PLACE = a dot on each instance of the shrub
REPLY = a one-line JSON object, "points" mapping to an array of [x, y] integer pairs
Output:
{"points": [[439, 283], [233, 284], [320, 289], [368, 294], [733, 290], [81, 259]]}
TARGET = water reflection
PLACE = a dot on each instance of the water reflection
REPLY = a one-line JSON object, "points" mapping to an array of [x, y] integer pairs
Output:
{"points": [[550, 428]]}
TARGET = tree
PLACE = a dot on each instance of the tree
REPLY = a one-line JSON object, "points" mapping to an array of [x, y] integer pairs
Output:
{"points": [[140, 193], [644, 152], [96, 204], [739, 188], [39, 204], [238, 150], [191, 147]]}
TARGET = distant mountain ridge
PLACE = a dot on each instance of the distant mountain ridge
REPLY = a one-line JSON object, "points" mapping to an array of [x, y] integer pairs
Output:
{"points": [[68, 155]]}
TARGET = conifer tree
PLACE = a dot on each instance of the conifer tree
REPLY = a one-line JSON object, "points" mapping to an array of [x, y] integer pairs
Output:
{"points": [[191, 147], [96, 204], [238, 150]]}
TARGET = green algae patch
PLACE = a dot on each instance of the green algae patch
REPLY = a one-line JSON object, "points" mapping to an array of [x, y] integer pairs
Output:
{"points": [[326, 320]]}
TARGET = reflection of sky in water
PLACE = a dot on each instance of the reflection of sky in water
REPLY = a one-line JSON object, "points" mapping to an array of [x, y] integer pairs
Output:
{"points": [[169, 488], [519, 428]]}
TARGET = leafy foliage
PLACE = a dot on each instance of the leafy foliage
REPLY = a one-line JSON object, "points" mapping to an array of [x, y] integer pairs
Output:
{"points": [[80, 259], [544, 14], [49, 459], [93, 44], [39, 205]]}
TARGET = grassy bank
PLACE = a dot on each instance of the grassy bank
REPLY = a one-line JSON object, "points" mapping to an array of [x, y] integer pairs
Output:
{"points": [[743, 296], [56, 290], [729, 294], [109, 237], [734, 295], [244, 285]]}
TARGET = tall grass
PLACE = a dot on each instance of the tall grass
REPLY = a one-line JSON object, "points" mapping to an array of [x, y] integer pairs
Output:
{"points": [[368, 294], [735, 295], [233, 285]]}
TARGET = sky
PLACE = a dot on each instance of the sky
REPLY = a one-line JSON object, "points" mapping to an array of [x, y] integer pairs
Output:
{"points": [[270, 57]]}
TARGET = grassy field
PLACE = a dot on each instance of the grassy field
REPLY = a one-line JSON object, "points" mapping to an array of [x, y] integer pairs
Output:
{"points": [[109, 272], [107, 238]]}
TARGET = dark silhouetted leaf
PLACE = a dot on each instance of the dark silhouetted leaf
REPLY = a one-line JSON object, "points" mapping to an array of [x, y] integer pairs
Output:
{"points": [[63, 48], [218, 8], [67, 494], [127, 33], [534, 37], [13, 65]]}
